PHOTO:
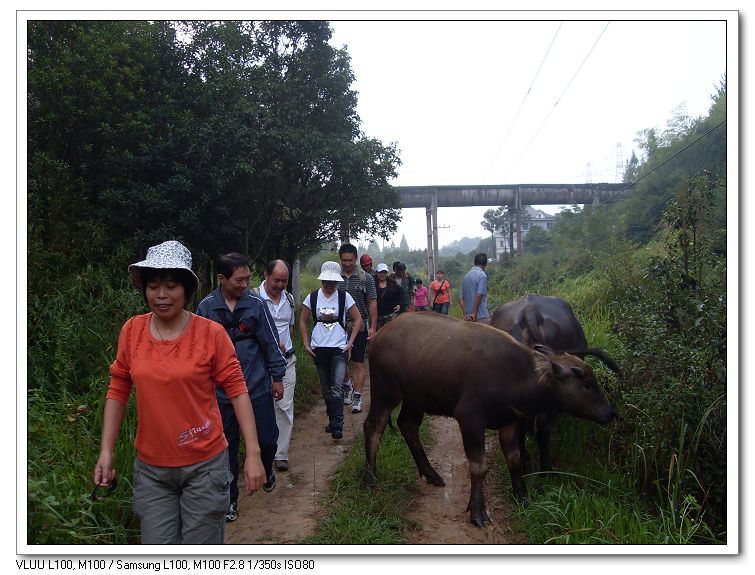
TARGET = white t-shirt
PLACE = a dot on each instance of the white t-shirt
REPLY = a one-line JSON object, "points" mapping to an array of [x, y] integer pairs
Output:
{"points": [[329, 334]]}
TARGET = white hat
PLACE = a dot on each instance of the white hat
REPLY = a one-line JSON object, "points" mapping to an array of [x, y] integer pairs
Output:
{"points": [[330, 272], [381, 268], [170, 255]]}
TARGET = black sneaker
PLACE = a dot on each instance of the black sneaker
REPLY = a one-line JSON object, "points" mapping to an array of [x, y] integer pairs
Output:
{"points": [[233, 512], [269, 485], [281, 465], [328, 428], [337, 434]]}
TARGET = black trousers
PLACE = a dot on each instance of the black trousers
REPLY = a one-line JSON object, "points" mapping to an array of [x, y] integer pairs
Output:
{"points": [[267, 435]]}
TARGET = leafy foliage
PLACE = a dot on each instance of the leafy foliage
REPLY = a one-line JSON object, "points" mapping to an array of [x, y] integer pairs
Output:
{"points": [[652, 267], [228, 136]]}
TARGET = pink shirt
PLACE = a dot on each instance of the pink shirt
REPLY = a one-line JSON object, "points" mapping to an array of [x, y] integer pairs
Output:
{"points": [[420, 297]]}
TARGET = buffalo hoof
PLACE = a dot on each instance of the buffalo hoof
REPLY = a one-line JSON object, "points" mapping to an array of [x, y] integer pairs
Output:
{"points": [[479, 520], [368, 479], [434, 479]]}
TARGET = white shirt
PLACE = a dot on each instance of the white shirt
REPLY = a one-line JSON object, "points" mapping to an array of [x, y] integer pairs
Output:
{"points": [[283, 316], [329, 334]]}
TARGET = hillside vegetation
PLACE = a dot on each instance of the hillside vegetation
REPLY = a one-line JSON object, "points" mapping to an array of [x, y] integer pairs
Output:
{"points": [[647, 276]]}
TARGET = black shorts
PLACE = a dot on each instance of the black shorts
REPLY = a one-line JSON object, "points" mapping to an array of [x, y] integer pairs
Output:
{"points": [[359, 349]]}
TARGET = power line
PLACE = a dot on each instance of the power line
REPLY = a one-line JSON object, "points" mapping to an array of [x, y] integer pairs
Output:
{"points": [[642, 177], [506, 137], [558, 100]]}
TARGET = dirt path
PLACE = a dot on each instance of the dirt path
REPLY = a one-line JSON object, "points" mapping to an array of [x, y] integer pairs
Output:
{"points": [[292, 510], [440, 512]]}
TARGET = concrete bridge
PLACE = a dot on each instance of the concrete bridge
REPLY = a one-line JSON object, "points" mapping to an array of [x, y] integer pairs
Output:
{"points": [[516, 196]]}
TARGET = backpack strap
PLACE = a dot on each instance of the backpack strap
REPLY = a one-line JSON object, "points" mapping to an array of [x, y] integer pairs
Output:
{"points": [[290, 299], [313, 306], [342, 308]]}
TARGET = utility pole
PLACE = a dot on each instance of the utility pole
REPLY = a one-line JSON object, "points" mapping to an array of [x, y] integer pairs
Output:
{"points": [[619, 163]]}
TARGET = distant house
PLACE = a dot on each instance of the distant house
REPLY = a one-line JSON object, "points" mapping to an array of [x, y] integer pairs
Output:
{"points": [[530, 217]]}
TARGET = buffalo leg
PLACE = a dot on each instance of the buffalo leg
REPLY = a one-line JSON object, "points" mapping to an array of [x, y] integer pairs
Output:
{"points": [[509, 437], [473, 436], [545, 422], [374, 427], [409, 420]]}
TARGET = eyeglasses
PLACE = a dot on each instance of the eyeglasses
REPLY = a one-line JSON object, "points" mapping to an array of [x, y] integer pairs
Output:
{"points": [[101, 492]]}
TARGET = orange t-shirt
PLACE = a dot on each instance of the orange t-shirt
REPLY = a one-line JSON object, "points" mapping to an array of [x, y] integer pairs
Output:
{"points": [[179, 422], [445, 286]]}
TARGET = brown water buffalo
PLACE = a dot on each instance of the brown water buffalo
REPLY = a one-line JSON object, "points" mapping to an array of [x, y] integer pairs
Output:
{"points": [[478, 375], [550, 321]]}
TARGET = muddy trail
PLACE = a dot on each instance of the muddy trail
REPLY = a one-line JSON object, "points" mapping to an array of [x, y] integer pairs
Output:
{"points": [[292, 510]]}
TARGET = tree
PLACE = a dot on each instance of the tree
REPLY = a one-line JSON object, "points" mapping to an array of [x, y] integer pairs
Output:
{"points": [[536, 241], [298, 172], [495, 220]]}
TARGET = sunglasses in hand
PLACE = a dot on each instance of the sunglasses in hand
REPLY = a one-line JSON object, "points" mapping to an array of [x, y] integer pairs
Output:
{"points": [[101, 492]]}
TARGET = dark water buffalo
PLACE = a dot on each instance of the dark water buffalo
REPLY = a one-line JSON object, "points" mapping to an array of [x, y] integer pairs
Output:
{"points": [[550, 321], [478, 375]]}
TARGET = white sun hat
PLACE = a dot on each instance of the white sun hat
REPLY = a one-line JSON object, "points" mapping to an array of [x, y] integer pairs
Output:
{"points": [[170, 255], [330, 272], [382, 268]]}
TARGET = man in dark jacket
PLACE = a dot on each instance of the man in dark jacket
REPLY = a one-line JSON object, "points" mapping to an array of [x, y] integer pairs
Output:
{"points": [[248, 323]]}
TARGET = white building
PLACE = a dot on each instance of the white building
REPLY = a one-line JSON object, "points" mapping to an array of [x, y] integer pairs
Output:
{"points": [[530, 217]]}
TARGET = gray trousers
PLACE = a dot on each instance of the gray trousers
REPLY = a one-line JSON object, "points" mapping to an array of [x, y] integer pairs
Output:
{"points": [[284, 410], [185, 505]]}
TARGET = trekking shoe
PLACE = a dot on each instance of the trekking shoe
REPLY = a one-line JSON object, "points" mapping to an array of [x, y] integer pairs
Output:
{"points": [[337, 434], [348, 393], [328, 428], [269, 485], [233, 512], [356, 407], [281, 465]]}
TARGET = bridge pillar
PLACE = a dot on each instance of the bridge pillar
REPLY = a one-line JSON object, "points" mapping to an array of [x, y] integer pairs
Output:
{"points": [[518, 207], [431, 213], [429, 259]]}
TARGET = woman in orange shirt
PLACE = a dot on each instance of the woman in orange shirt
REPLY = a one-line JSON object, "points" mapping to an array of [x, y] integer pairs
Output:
{"points": [[175, 359]]}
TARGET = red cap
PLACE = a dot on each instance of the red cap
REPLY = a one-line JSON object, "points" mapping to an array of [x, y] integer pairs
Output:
{"points": [[365, 260]]}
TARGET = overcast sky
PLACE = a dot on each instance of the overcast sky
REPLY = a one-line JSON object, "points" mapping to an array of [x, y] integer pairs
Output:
{"points": [[515, 102]]}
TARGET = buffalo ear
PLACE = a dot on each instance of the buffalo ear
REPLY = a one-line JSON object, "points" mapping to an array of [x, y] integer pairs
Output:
{"points": [[579, 372], [544, 349]]}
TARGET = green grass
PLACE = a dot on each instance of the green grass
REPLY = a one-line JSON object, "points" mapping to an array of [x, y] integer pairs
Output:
{"points": [[63, 445], [586, 501], [356, 514]]}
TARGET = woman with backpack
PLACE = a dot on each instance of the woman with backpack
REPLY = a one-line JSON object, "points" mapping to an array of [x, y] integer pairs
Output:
{"points": [[388, 296], [330, 344]]}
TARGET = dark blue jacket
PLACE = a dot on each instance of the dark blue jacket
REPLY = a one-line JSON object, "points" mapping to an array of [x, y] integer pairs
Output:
{"points": [[253, 333]]}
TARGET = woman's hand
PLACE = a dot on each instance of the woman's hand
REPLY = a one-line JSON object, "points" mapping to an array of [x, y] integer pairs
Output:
{"points": [[104, 472], [308, 349]]}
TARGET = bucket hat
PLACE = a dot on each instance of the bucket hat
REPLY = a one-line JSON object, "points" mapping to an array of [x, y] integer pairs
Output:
{"points": [[170, 255], [330, 272], [382, 268]]}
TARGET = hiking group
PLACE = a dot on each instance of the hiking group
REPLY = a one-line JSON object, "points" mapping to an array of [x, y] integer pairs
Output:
{"points": [[206, 379]]}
